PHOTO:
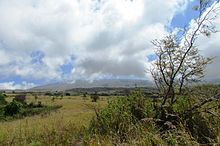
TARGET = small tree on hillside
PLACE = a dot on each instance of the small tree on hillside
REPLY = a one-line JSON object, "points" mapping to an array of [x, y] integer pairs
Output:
{"points": [[94, 97], [178, 59]]}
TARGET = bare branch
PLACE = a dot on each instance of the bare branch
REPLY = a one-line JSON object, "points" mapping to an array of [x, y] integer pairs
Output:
{"points": [[199, 105]]}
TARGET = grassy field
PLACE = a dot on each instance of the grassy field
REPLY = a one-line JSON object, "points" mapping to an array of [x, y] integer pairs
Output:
{"points": [[129, 120], [59, 127]]}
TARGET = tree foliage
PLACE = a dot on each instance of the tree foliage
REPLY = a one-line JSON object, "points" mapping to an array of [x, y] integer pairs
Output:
{"points": [[178, 60]]}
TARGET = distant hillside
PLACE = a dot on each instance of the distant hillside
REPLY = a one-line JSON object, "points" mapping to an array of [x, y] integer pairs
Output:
{"points": [[121, 83]]}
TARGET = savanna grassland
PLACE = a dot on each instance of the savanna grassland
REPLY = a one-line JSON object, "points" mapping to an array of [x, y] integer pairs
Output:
{"points": [[59, 127], [135, 119]]}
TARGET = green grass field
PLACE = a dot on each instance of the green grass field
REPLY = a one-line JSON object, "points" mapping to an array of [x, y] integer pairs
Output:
{"points": [[59, 127]]}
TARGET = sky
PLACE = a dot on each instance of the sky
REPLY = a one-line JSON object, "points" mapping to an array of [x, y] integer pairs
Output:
{"points": [[47, 41]]}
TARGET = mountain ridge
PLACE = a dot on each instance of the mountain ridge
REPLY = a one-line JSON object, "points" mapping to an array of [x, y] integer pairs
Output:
{"points": [[105, 83]]}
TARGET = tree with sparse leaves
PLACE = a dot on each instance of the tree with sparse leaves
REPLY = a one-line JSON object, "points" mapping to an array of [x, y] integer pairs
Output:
{"points": [[178, 60]]}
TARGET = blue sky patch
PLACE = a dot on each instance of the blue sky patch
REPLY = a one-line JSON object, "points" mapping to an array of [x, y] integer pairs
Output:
{"points": [[66, 68], [37, 57], [151, 57], [182, 20]]}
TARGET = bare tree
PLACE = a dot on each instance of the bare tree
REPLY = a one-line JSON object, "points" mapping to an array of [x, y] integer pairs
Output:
{"points": [[178, 59]]}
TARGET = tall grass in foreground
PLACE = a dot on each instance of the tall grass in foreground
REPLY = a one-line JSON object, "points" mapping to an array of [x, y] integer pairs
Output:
{"points": [[133, 120]]}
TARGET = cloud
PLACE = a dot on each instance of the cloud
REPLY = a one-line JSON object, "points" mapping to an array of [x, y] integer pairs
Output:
{"points": [[209, 47], [100, 38], [12, 85]]}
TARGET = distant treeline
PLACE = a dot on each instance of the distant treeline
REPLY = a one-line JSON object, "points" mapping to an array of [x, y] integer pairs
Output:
{"points": [[101, 91]]}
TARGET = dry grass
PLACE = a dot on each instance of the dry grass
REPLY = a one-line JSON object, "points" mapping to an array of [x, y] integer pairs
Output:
{"points": [[55, 128]]}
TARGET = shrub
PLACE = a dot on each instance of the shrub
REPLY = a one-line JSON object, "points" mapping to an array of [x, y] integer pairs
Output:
{"points": [[94, 97], [35, 97], [58, 93], [33, 105], [39, 104], [85, 94], [121, 118], [67, 94], [48, 94], [12, 108], [20, 98], [2, 99], [134, 120], [53, 99]]}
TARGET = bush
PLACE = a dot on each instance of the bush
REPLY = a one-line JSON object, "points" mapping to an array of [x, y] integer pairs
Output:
{"points": [[12, 108], [134, 120], [58, 93], [33, 105], [20, 98], [121, 118], [39, 104], [94, 97], [2, 99], [85, 94], [35, 97], [67, 94], [48, 94]]}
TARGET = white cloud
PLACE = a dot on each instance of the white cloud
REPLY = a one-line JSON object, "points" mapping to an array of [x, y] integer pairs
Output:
{"points": [[209, 47], [4, 58], [105, 38], [12, 85]]}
